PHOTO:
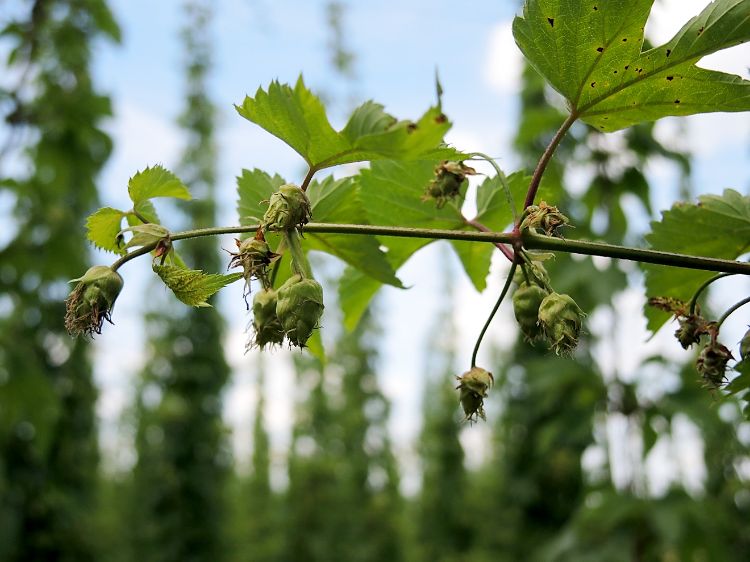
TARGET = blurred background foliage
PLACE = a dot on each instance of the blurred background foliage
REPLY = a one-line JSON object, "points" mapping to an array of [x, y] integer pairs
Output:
{"points": [[553, 483]]}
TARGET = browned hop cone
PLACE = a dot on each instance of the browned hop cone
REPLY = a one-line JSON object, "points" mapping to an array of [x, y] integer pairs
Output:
{"points": [[560, 319], [299, 307], [692, 327], [90, 302], [254, 256], [288, 208], [447, 183], [545, 218], [712, 364], [266, 325], [473, 387]]}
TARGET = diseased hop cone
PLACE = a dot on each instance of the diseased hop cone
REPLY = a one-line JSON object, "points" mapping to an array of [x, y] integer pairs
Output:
{"points": [[446, 185], [267, 326], [299, 308], [712, 364], [526, 302], [473, 387], [560, 319], [254, 256], [691, 329], [288, 208], [90, 303]]}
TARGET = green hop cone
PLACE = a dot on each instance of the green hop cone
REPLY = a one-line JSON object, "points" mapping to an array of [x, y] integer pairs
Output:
{"points": [[288, 208], [535, 272], [299, 308], [560, 319], [267, 326], [447, 183], [473, 387], [712, 364], [90, 303], [745, 346], [526, 302]]}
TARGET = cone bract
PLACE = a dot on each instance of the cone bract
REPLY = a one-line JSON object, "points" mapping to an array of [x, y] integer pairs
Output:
{"points": [[299, 308], [691, 329], [560, 319], [254, 257], [288, 208], [267, 326], [92, 300], [535, 272]]}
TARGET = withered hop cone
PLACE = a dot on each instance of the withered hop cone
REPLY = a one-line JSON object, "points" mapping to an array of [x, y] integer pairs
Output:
{"points": [[266, 324], [473, 387], [288, 208], [299, 307], [90, 303]]}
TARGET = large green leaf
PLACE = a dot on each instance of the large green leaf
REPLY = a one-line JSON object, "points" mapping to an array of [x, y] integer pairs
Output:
{"points": [[337, 201], [590, 51], [718, 226], [156, 182], [297, 116]]}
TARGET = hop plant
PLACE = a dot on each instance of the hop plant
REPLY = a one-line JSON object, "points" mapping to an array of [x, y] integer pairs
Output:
{"points": [[288, 208], [299, 308], [90, 303], [266, 324], [712, 364], [560, 319], [526, 302], [447, 183], [473, 387], [254, 256]]}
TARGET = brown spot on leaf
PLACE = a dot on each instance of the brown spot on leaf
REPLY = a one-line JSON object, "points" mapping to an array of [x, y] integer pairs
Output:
{"points": [[411, 127], [596, 8], [677, 101], [615, 72], [701, 30], [593, 84], [600, 49], [627, 66], [624, 39], [669, 52], [670, 78], [439, 119], [551, 22]]}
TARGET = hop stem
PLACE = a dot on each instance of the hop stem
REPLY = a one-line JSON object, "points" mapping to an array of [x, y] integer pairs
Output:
{"points": [[300, 265], [492, 314]]}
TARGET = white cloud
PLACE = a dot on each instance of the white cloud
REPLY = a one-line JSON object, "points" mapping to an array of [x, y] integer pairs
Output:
{"points": [[502, 69]]}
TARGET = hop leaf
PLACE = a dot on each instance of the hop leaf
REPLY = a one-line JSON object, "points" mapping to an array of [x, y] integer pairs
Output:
{"points": [[103, 228], [156, 181], [191, 286]]}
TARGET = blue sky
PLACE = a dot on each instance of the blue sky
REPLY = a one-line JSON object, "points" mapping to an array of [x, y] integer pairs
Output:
{"points": [[398, 45]]}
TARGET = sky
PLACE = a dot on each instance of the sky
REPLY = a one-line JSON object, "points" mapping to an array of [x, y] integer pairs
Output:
{"points": [[398, 46]]}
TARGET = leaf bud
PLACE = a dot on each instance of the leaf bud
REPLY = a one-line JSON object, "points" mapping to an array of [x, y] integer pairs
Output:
{"points": [[266, 324], [299, 308], [526, 302], [544, 217], [712, 364], [92, 300], [288, 208], [473, 387], [447, 183], [560, 319]]}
